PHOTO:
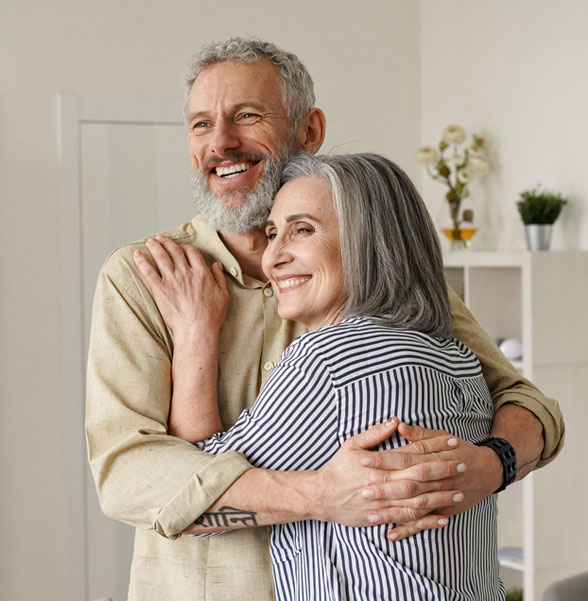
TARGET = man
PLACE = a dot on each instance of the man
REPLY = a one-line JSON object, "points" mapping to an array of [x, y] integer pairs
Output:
{"points": [[250, 106]]}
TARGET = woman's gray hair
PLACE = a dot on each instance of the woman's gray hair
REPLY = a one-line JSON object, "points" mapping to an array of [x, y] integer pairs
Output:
{"points": [[296, 85], [392, 263]]}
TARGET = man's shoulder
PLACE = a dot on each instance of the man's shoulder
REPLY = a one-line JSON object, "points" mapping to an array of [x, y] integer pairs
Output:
{"points": [[122, 257]]}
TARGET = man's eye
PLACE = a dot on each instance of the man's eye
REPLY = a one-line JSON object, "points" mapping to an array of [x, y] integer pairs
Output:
{"points": [[200, 125], [249, 116], [304, 229]]}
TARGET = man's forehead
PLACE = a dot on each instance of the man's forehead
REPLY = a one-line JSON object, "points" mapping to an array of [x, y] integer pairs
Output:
{"points": [[237, 82]]}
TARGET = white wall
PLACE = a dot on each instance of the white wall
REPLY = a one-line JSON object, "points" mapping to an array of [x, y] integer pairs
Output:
{"points": [[364, 59], [517, 72]]}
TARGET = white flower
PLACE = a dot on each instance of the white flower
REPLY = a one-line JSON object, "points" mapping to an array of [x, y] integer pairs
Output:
{"points": [[454, 134], [427, 155], [464, 176], [457, 159], [479, 165]]}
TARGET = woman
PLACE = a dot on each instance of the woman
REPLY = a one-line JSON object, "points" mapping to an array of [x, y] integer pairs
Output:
{"points": [[353, 256]]}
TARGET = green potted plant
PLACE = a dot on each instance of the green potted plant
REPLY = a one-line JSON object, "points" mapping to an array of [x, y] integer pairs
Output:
{"points": [[539, 209]]}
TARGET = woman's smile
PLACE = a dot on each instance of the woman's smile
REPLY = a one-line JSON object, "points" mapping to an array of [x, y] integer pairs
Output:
{"points": [[288, 283]]}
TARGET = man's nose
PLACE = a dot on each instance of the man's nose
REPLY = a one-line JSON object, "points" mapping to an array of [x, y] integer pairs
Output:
{"points": [[225, 137]]}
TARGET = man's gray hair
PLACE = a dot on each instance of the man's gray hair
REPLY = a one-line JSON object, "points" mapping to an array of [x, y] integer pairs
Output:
{"points": [[392, 263], [296, 85]]}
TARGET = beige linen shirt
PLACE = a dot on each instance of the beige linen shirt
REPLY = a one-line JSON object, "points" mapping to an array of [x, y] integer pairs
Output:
{"points": [[160, 484]]}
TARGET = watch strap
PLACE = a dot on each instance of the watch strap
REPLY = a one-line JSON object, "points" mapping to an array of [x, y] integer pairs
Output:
{"points": [[507, 456]]}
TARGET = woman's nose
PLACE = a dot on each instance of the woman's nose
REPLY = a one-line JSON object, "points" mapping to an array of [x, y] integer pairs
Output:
{"points": [[277, 253]]}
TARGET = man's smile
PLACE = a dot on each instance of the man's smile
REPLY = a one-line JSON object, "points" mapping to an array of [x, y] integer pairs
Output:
{"points": [[232, 170]]}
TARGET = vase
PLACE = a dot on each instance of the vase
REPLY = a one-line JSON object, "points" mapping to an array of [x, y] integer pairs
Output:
{"points": [[538, 236], [460, 237], [458, 223]]}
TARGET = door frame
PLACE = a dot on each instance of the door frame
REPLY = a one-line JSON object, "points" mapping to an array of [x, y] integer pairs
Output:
{"points": [[73, 111]]}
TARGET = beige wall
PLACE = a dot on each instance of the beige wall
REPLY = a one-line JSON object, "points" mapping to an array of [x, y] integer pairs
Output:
{"points": [[517, 72], [364, 58]]}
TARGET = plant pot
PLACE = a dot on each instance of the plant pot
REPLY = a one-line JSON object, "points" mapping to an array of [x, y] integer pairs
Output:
{"points": [[538, 236]]}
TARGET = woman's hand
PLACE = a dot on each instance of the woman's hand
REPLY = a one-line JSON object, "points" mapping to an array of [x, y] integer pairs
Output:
{"points": [[193, 300], [191, 297]]}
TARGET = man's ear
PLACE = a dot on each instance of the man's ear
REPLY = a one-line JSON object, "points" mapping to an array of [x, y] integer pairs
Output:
{"points": [[311, 131]]}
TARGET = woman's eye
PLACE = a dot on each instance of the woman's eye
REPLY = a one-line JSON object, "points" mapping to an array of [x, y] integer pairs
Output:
{"points": [[303, 229], [270, 235]]}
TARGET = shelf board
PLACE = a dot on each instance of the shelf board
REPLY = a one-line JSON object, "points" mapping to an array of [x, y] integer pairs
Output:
{"points": [[496, 258], [511, 557]]}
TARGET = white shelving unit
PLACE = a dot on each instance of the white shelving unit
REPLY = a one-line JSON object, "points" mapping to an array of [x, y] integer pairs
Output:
{"points": [[542, 300]]}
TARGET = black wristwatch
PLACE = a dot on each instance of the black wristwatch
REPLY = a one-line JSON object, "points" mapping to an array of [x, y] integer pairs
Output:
{"points": [[507, 456]]}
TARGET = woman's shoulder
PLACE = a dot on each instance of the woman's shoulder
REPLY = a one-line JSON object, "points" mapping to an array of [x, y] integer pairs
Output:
{"points": [[361, 343]]}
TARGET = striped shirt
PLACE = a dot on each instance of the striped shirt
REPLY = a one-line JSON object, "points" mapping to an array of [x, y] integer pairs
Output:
{"points": [[332, 384]]}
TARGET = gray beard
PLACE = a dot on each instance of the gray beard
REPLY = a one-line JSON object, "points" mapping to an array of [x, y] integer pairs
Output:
{"points": [[248, 209]]}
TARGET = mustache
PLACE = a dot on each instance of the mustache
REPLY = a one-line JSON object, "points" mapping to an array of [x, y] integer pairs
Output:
{"points": [[236, 157]]}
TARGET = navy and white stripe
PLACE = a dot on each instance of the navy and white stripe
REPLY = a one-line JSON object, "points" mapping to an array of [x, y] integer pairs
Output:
{"points": [[332, 384]]}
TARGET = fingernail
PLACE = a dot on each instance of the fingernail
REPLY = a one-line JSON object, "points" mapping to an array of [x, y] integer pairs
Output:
{"points": [[443, 522], [367, 461], [137, 253], [461, 467], [149, 241], [159, 237], [391, 422], [374, 518], [452, 442], [392, 536], [458, 498], [368, 493]]}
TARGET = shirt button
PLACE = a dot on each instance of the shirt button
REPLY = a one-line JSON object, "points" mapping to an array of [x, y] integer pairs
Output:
{"points": [[233, 272], [268, 292], [268, 366]]}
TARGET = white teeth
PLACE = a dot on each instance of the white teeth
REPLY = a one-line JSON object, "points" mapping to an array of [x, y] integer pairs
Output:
{"points": [[292, 282], [224, 171]]}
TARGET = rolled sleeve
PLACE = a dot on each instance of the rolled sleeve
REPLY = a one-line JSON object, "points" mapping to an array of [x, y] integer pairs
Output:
{"points": [[143, 476], [505, 383], [196, 497]]}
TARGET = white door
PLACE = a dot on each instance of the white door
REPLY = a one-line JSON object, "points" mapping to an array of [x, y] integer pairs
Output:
{"points": [[125, 175]]}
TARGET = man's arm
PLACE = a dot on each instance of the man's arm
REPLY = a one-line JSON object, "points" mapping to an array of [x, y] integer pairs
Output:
{"points": [[143, 476], [335, 493], [507, 386]]}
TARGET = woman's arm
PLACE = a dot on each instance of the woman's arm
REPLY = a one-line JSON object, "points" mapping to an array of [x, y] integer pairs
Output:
{"points": [[193, 300]]}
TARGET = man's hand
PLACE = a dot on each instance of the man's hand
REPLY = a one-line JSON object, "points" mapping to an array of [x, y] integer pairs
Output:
{"points": [[415, 485], [483, 475]]}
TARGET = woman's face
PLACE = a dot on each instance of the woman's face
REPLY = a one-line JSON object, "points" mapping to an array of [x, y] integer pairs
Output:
{"points": [[303, 257]]}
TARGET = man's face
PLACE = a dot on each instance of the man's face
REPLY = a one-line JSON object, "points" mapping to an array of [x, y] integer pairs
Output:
{"points": [[239, 138]]}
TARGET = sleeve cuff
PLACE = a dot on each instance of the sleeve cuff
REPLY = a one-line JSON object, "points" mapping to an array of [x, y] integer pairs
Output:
{"points": [[195, 498]]}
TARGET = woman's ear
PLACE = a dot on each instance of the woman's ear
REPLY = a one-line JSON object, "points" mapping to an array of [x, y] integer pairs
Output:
{"points": [[311, 131]]}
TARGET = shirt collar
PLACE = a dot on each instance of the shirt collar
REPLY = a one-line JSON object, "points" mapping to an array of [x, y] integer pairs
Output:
{"points": [[208, 237]]}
